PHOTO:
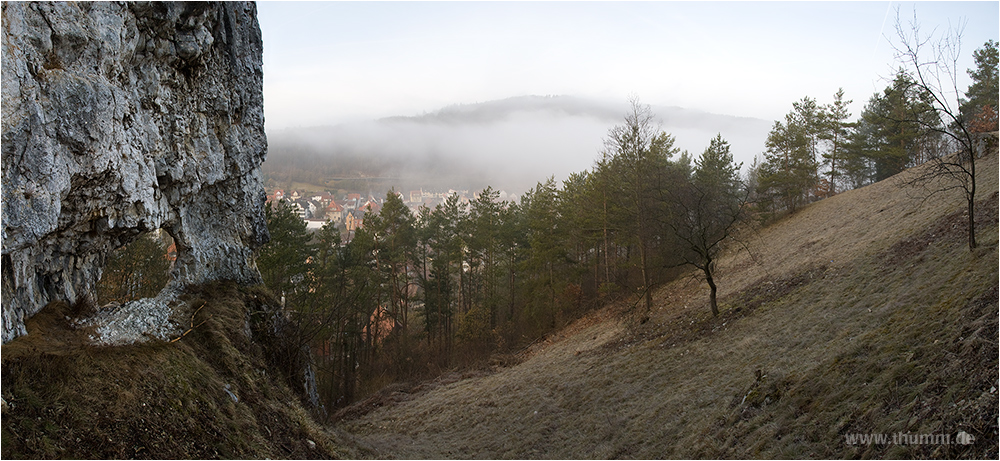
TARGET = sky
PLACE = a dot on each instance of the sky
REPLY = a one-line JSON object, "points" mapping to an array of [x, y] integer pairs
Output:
{"points": [[351, 65], [327, 63]]}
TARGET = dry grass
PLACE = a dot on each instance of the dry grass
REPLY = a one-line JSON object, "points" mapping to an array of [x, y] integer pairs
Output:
{"points": [[865, 313], [853, 225], [207, 395]]}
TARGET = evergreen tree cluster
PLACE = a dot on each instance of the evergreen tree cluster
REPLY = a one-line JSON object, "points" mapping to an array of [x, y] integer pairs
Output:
{"points": [[816, 151], [410, 293]]}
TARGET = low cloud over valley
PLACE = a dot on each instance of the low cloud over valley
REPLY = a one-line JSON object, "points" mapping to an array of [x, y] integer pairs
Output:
{"points": [[510, 144]]}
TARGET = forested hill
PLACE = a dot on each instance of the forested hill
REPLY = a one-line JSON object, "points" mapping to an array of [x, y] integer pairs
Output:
{"points": [[862, 315], [509, 144]]}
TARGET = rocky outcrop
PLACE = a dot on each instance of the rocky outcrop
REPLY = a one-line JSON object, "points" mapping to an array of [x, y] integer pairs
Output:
{"points": [[122, 118]]}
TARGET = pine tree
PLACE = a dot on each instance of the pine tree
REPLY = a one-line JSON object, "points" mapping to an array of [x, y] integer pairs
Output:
{"points": [[546, 254], [900, 125], [484, 250], [984, 89], [811, 119], [580, 201], [636, 155], [788, 171], [835, 133], [393, 240], [283, 262]]}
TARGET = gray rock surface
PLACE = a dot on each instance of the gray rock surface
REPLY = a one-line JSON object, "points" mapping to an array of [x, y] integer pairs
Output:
{"points": [[136, 321], [118, 119]]}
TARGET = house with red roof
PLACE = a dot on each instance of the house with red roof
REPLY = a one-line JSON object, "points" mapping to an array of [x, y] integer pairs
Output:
{"points": [[334, 212], [373, 205]]}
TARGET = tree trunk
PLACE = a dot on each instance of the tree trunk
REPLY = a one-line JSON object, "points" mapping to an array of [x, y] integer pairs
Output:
{"points": [[972, 224], [646, 282], [833, 167], [713, 290], [972, 196], [607, 265], [510, 269]]}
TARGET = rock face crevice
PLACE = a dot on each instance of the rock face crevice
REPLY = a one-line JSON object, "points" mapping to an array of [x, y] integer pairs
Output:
{"points": [[119, 119]]}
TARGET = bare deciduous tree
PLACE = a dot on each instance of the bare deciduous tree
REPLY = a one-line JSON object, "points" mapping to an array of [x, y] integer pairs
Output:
{"points": [[932, 64], [707, 210]]}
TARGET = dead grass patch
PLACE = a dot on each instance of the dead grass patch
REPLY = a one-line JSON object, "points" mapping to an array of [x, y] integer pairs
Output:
{"points": [[680, 325], [818, 338], [949, 228]]}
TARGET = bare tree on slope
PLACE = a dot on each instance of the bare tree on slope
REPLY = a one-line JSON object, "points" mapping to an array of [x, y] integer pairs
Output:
{"points": [[932, 64]]}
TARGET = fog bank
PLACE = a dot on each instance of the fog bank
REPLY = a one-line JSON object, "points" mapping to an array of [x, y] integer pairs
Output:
{"points": [[510, 144]]}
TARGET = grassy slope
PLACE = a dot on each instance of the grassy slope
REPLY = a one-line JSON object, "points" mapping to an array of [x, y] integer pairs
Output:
{"points": [[863, 313], [154, 400]]}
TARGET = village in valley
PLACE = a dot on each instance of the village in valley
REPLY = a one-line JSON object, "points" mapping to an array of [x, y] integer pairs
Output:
{"points": [[347, 211]]}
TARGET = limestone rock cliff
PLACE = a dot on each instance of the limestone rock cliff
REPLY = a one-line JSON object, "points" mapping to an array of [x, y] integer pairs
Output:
{"points": [[122, 118]]}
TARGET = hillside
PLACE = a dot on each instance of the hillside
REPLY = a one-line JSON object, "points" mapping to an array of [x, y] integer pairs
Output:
{"points": [[211, 393], [862, 314]]}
